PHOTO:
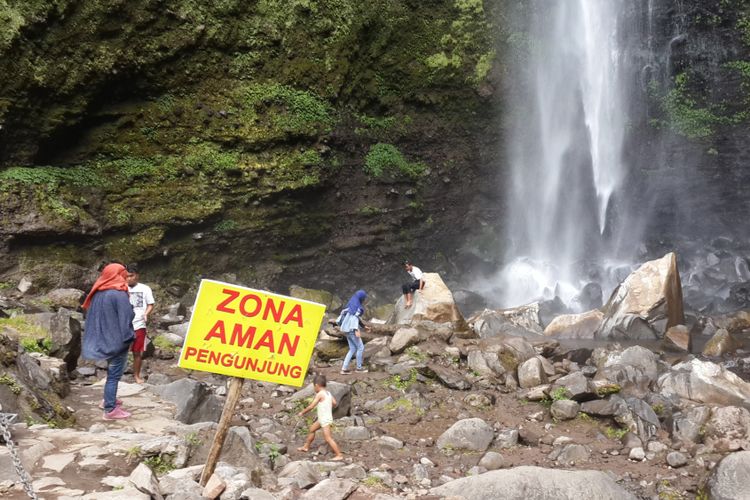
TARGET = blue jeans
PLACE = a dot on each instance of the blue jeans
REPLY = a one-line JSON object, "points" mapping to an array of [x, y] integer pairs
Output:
{"points": [[355, 345], [115, 367]]}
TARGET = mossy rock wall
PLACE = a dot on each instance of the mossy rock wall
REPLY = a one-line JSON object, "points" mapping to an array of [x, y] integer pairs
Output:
{"points": [[232, 136]]}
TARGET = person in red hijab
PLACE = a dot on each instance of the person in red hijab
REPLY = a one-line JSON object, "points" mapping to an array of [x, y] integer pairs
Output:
{"points": [[109, 332]]}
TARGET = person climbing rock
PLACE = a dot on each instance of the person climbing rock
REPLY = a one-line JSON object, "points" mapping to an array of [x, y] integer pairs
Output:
{"points": [[109, 332], [325, 402], [417, 282], [142, 300], [351, 324]]}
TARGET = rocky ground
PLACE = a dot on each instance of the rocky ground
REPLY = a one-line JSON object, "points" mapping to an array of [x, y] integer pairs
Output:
{"points": [[448, 409]]}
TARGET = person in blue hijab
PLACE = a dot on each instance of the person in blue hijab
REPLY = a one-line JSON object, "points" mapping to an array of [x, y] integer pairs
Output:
{"points": [[350, 324]]}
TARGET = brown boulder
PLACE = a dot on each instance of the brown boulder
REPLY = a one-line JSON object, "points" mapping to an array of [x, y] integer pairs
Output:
{"points": [[575, 326]]}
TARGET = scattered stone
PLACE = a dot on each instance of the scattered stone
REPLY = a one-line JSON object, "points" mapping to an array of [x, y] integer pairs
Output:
{"points": [[351, 471], [58, 461], [720, 344], [492, 461], [531, 373], [446, 376], [301, 474], [518, 483], [688, 424], [214, 487], [678, 337], [570, 454], [577, 387], [144, 480], [356, 433], [403, 338], [389, 442], [69, 298], [506, 438], [730, 478], [637, 454], [468, 434], [195, 401], [564, 409], [676, 459], [257, 494]]}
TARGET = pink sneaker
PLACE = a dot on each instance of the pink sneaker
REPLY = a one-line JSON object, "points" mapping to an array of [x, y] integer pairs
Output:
{"points": [[116, 414], [117, 403]]}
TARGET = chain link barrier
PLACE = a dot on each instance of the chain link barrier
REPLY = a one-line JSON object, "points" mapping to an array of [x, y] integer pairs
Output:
{"points": [[6, 419]]}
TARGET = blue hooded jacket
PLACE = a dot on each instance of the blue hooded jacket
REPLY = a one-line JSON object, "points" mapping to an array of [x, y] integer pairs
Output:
{"points": [[109, 325]]}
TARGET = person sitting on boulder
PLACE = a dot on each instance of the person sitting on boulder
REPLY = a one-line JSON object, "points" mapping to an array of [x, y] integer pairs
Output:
{"points": [[417, 282], [109, 332], [351, 324]]}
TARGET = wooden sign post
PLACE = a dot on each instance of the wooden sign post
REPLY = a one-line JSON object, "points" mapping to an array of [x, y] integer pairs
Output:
{"points": [[245, 333], [233, 395]]}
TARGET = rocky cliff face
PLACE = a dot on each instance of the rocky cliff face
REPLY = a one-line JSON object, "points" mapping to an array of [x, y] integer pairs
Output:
{"points": [[306, 141]]}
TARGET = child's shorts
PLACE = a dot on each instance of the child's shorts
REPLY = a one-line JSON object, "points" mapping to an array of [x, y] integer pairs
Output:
{"points": [[325, 422]]}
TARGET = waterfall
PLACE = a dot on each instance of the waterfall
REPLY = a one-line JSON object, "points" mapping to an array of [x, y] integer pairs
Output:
{"points": [[565, 150]]}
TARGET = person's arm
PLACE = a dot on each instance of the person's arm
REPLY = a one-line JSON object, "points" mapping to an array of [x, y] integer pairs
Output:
{"points": [[421, 283], [149, 308], [312, 405], [149, 297], [333, 401]]}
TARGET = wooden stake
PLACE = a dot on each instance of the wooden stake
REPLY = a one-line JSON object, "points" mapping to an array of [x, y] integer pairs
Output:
{"points": [[233, 395]]}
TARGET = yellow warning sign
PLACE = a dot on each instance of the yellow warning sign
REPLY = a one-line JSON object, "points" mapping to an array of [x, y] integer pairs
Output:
{"points": [[241, 332]]}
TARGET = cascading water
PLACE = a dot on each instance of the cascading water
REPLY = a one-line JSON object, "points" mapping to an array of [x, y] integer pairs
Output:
{"points": [[566, 151]]}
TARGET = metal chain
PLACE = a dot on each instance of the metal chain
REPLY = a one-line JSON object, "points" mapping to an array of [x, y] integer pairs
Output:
{"points": [[5, 420]]}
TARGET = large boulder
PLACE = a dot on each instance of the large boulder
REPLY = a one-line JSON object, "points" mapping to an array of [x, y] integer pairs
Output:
{"points": [[534, 483], [646, 304], [473, 434], [194, 400], [730, 478], [489, 324], [342, 393], [531, 373], [43, 373], [510, 352], [64, 329], [69, 298], [575, 326], [720, 344], [403, 338], [434, 303], [728, 428], [705, 382]]}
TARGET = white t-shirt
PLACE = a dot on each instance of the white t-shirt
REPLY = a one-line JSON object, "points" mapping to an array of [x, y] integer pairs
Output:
{"points": [[141, 297], [416, 273]]}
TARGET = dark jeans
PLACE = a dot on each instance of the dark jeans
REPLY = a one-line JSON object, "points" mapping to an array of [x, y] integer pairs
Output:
{"points": [[115, 367], [410, 287]]}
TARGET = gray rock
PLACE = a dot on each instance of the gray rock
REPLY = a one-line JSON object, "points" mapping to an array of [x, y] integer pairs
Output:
{"points": [[180, 329], [705, 382], [531, 373], [637, 453], [301, 474], [577, 386], [506, 438], [678, 338], [575, 326], [613, 405], [676, 459], [43, 373], [69, 298], [389, 442], [331, 489], [403, 338], [194, 400], [145, 481], [728, 428], [446, 376], [476, 362], [720, 344], [639, 418], [157, 379], [534, 483], [351, 471], [730, 478], [64, 328], [570, 454], [565, 409], [342, 393], [257, 494], [646, 304], [492, 461], [468, 434], [356, 433]]}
